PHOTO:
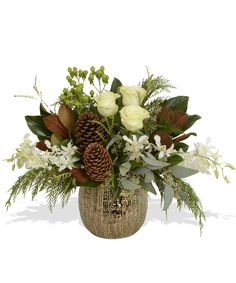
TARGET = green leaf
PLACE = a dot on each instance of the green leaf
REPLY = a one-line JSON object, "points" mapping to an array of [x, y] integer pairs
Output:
{"points": [[149, 176], [112, 141], [151, 160], [226, 179], [158, 164], [216, 172], [168, 196], [177, 103], [115, 85], [182, 172], [149, 187], [184, 197], [124, 168], [228, 165], [191, 120], [37, 127], [43, 111], [128, 185], [90, 184], [182, 145], [175, 159]]}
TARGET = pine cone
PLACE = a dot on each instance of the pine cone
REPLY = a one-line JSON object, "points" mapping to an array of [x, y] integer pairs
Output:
{"points": [[86, 131], [97, 162]]}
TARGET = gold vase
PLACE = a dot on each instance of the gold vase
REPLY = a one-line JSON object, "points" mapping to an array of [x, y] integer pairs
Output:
{"points": [[110, 219]]}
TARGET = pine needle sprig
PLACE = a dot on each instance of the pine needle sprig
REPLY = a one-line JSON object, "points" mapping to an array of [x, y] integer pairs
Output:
{"points": [[58, 186], [189, 198], [155, 85]]}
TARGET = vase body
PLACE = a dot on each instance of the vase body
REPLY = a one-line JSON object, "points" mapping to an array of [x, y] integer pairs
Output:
{"points": [[112, 219]]}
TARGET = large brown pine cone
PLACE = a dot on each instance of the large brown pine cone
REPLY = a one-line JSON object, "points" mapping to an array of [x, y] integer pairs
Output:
{"points": [[97, 162], [86, 130]]}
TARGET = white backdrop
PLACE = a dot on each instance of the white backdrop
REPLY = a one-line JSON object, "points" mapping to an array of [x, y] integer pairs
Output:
{"points": [[190, 42]]}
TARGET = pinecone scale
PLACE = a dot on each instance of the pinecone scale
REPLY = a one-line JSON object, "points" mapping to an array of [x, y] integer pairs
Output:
{"points": [[87, 131], [97, 162]]}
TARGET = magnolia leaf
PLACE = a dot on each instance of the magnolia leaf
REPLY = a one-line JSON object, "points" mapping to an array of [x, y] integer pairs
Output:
{"points": [[128, 185], [37, 127], [168, 196], [115, 85], [191, 120], [53, 123], [175, 159], [43, 111], [80, 175], [124, 168], [149, 176], [181, 145], [66, 117], [112, 141], [177, 103], [182, 172]]}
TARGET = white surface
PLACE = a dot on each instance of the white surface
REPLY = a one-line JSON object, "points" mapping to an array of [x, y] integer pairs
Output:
{"points": [[190, 42]]}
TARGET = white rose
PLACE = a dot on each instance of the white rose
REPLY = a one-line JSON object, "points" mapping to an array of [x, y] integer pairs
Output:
{"points": [[132, 95], [106, 103], [132, 117]]}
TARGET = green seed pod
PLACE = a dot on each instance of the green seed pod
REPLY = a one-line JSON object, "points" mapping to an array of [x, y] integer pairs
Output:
{"points": [[91, 93], [92, 69], [65, 90], [91, 78], [69, 70], [102, 69], [99, 74], [80, 73], [85, 74], [73, 83], [105, 79]]}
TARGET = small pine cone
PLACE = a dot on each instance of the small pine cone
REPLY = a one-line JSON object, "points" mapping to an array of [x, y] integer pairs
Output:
{"points": [[97, 162], [86, 131]]}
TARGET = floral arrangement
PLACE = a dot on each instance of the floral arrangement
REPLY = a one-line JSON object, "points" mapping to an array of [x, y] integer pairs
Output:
{"points": [[126, 137]]}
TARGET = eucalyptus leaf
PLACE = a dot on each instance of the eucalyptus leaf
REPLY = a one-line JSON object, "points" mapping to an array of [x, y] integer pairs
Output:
{"points": [[182, 172], [141, 171], [154, 162], [184, 197], [37, 127], [124, 168], [128, 185], [150, 187], [112, 141], [168, 196], [149, 176]]}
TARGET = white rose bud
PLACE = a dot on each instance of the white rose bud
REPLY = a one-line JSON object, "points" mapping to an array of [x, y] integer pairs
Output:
{"points": [[106, 103], [132, 117], [132, 95]]}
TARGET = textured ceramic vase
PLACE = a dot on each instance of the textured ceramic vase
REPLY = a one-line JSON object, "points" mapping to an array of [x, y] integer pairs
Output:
{"points": [[112, 219]]}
